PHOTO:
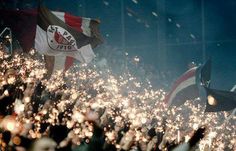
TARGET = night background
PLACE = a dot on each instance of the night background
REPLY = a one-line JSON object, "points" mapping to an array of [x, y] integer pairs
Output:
{"points": [[165, 34], [139, 93]]}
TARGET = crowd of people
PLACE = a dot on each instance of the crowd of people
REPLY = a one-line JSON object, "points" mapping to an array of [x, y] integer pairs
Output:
{"points": [[88, 109]]}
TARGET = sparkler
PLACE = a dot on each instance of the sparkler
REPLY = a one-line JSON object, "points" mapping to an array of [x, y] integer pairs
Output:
{"points": [[80, 95]]}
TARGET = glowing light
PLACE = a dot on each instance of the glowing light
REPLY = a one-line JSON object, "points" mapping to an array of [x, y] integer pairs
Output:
{"points": [[178, 25], [211, 100], [27, 99], [74, 96], [6, 93], [11, 80], [136, 59], [106, 3], [195, 126], [124, 98], [143, 120], [135, 1], [192, 36], [129, 14], [19, 107], [154, 14], [10, 126]]}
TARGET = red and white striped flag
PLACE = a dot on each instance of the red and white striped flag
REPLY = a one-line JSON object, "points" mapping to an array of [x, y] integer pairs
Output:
{"points": [[184, 88], [190, 85]]}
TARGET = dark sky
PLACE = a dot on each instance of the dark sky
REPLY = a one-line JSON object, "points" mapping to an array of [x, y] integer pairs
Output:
{"points": [[174, 26]]}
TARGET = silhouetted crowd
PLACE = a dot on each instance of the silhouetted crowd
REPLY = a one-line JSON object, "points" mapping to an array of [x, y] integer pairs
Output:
{"points": [[34, 118]]}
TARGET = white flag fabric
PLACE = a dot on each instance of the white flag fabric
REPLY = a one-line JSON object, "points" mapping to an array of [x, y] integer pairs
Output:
{"points": [[84, 54], [62, 35]]}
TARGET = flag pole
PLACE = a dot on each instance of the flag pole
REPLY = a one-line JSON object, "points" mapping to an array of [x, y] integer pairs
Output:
{"points": [[203, 30], [10, 37], [5, 29], [10, 40], [233, 89]]}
